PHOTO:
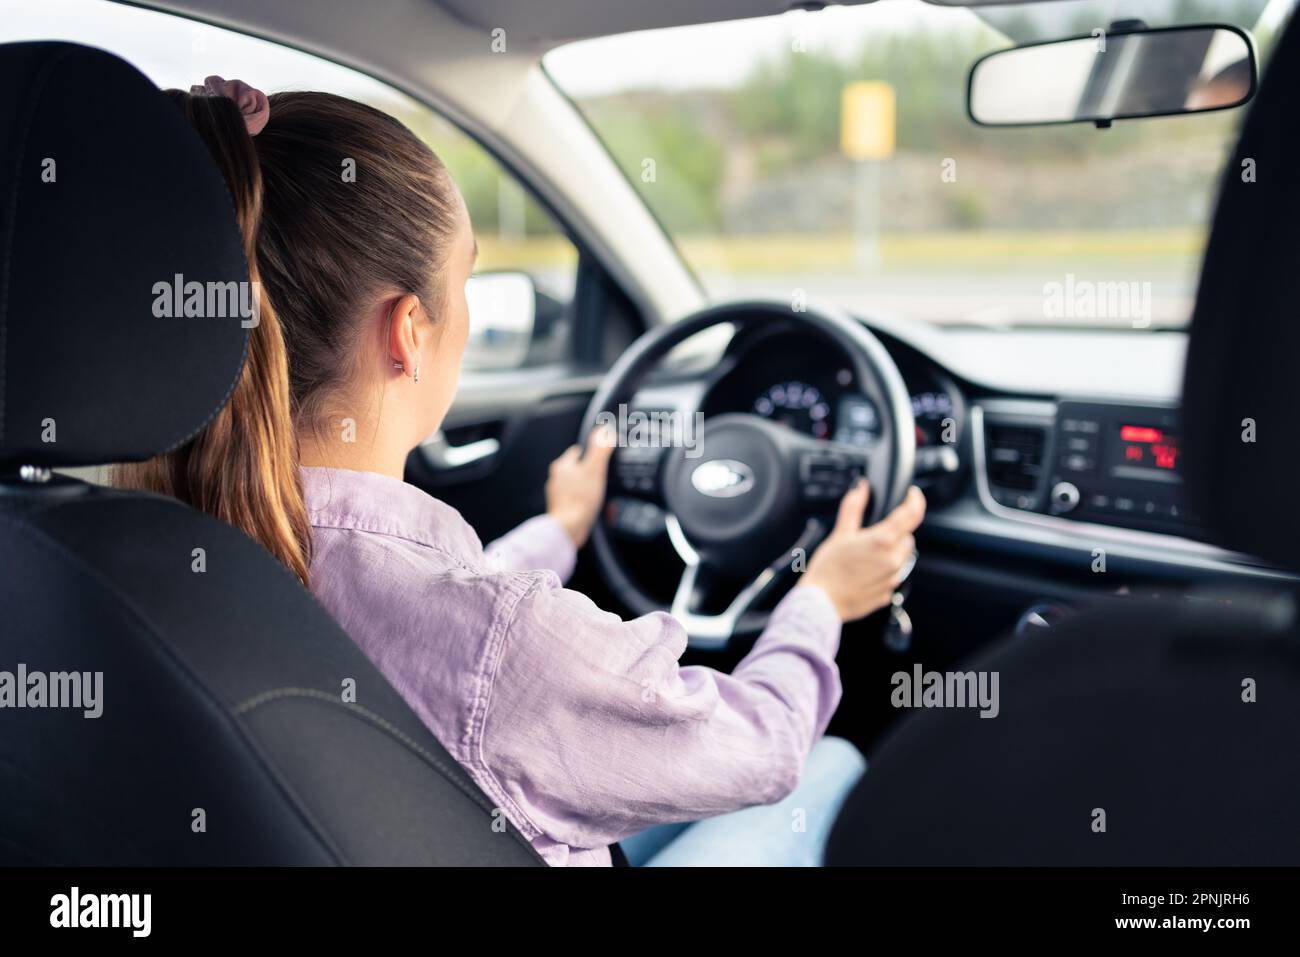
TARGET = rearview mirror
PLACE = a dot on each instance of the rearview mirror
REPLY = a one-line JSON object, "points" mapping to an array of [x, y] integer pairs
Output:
{"points": [[1128, 72]]}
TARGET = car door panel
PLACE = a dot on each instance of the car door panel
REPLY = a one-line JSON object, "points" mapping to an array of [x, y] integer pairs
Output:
{"points": [[510, 433]]}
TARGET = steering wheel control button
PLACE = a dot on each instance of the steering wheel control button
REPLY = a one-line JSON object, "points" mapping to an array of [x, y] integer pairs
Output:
{"points": [[636, 470], [826, 476], [634, 518], [1064, 498]]}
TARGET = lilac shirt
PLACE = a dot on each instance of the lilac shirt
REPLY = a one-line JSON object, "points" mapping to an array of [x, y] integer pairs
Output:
{"points": [[580, 726]]}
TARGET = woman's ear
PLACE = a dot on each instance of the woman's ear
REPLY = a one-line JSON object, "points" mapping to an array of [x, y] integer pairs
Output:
{"points": [[404, 335]]}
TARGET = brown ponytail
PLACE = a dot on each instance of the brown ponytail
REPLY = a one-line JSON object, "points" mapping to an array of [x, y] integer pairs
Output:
{"points": [[243, 466], [341, 206], [357, 209]]}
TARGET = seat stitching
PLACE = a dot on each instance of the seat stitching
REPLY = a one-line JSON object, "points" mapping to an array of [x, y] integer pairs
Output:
{"points": [[241, 709], [274, 694], [115, 493], [49, 542], [257, 700]]}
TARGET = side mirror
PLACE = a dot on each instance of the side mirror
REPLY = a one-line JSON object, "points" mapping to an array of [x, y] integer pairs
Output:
{"points": [[502, 317], [1127, 72]]}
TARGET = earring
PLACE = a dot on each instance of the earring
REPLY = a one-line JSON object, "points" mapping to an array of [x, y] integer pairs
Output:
{"points": [[399, 365], [417, 372]]}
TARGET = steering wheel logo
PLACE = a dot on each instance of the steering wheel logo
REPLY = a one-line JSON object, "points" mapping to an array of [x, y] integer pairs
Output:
{"points": [[723, 478]]}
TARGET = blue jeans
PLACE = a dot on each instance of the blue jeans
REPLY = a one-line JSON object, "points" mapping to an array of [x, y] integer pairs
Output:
{"points": [[790, 833]]}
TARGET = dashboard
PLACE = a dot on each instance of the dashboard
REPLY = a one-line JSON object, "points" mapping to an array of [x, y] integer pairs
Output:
{"points": [[1043, 444], [803, 383], [850, 417]]}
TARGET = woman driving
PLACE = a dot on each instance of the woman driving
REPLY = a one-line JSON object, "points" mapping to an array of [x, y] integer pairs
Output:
{"points": [[580, 726]]}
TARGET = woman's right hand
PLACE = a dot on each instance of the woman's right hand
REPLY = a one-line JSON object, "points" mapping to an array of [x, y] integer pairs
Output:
{"points": [[575, 487], [859, 568]]}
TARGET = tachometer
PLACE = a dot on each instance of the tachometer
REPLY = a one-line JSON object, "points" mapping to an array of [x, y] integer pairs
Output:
{"points": [[798, 405]]}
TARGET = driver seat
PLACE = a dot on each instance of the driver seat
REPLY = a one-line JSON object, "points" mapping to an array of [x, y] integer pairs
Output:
{"points": [[1150, 733], [223, 734]]}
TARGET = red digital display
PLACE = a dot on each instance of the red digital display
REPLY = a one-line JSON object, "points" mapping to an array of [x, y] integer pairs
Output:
{"points": [[1140, 433], [1147, 447]]}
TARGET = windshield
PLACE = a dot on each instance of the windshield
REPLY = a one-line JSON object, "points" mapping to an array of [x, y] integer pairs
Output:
{"points": [[734, 135]]}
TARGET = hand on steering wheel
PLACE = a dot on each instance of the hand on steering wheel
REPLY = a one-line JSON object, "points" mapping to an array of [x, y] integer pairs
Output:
{"points": [[860, 568], [753, 496], [575, 485]]}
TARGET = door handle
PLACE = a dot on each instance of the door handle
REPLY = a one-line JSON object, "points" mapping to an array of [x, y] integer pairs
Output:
{"points": [[442, 455]]}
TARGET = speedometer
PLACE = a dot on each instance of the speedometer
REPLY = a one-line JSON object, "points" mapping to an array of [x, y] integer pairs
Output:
{"points": [[929, 410], [798, 405]]}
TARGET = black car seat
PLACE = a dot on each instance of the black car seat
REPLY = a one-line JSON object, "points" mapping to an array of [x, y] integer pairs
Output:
{"points": [[238, 724], [1139, 717]]}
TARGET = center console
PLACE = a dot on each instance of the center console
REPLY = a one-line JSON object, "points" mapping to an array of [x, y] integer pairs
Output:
{"points": [[1119, 465], [1108, 463]]}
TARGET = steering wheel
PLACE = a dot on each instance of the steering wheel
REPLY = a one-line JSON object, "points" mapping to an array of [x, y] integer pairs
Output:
{"points": [[751, 493]]}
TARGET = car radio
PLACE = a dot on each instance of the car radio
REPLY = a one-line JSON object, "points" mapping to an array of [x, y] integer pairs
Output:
{"points": [[1119, 465]]}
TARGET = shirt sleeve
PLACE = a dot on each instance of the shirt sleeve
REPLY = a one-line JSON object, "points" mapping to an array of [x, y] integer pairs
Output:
{"points": [[539, 544], [595, 731]]}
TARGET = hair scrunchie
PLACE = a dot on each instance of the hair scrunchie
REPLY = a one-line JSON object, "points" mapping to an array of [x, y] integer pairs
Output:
{"points": [[252, 102]]}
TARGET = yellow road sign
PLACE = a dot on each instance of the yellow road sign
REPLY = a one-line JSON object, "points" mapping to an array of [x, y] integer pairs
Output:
{"points": [[867, 111]]}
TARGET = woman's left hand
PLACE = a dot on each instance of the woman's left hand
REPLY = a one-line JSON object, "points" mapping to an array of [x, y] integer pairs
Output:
{"points": [[575, 489]]}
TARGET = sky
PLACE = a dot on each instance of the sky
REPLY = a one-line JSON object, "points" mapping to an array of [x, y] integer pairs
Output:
{"points": [[720, 55]]}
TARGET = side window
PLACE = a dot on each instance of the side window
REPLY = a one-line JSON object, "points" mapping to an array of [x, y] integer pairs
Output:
{"points": [[521, 298]]}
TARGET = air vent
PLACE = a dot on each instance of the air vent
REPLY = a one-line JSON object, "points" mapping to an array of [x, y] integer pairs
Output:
{"points": [[1014, 461]]}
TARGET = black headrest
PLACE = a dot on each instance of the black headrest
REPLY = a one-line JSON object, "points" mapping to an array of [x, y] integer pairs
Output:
{"points": [[107, 197], [1243, 362]]}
